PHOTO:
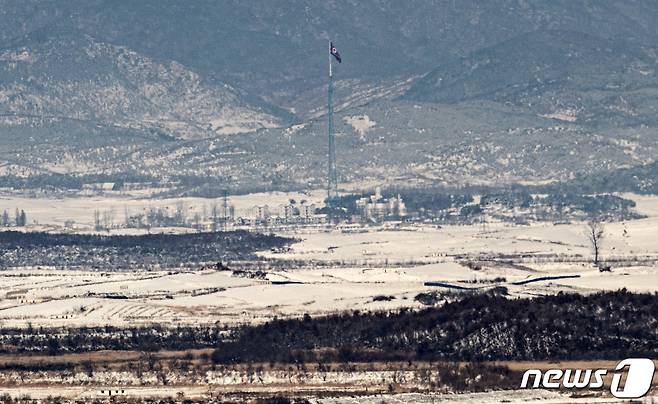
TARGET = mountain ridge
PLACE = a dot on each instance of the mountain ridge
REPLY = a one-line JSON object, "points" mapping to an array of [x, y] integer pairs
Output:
{"points": [[73, 75], [442, 92]]}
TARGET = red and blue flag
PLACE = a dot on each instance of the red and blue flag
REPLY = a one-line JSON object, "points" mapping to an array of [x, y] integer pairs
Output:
{"points": [[334, 52]]}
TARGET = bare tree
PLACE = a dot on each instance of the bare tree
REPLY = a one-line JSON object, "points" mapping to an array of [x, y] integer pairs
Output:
{"points": [[108, 219], [215, 217], [197, 221], [181, 216], [97, 220], [595, 235]]}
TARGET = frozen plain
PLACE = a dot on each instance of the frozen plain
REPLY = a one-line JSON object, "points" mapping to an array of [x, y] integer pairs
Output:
{"points": [[341, 270]]}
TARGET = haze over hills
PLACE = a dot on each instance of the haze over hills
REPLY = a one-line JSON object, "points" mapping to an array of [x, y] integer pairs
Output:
{"points": [[438, 92], [567, 75], [73, 76]]}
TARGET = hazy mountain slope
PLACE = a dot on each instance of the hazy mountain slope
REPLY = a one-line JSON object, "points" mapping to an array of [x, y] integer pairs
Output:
{"points": [[563, 74], [384, 142], [404, 143], [38, 145], [61, 73], [275, 47], [442, 91], [277, 50], [286, 38]]}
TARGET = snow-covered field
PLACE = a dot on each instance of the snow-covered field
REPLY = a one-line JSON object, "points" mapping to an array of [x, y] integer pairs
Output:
{"points": [[503, 396], [51, 214], [536, 243], [371, 269], [364, 268], [60, 297], [206, 392]]}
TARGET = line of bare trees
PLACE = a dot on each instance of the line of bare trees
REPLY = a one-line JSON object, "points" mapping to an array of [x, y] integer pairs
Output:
{"points": [[215, 218], [20, 219]]}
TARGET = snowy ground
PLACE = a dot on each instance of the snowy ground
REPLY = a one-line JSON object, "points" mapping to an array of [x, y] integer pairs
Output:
{"points": [[392, 382], [51, 214], [206, 392], [513, 396], [341, 271], [362, 268], [60, 297]]}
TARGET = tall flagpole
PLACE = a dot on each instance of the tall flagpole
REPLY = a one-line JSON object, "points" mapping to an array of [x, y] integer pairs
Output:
{"points": [[332, 181]]}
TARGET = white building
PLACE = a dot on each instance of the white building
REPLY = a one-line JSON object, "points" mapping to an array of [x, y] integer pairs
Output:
{"points": [[261, 212], [376, 208], [306, 211], [287, 211]]}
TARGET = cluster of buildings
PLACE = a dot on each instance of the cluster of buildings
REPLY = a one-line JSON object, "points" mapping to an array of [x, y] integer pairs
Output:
{"points": [[375, 208], [369, 209], [286, 214]]}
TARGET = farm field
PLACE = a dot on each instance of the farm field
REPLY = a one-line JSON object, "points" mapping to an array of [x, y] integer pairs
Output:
{"points": [[364, 382], [203, 392], [335, 271], [50, 213], [366, 268], [633, 238], [78, 298]]}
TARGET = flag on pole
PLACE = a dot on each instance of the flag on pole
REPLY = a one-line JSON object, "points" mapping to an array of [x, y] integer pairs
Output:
{"points": [[334, 52]]}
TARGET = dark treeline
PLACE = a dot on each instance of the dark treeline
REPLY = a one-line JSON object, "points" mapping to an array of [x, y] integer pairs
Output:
{"points": [[181, 185], [36, 367], [480, 327], [111, 252], [72, 182], [550, 204], [593, 206], [55, 341], [642, 179]]}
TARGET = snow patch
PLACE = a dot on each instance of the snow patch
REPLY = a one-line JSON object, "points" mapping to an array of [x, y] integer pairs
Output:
{"points": [[360, 123], [294, 129], [568, 115]]}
